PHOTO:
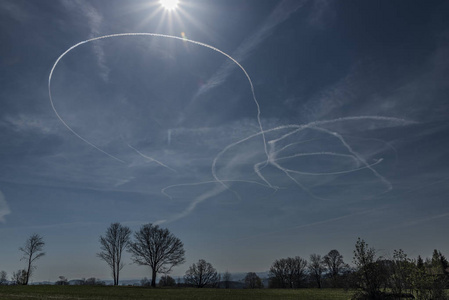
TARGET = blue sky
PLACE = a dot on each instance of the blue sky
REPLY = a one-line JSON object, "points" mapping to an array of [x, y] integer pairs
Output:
{"points": [[344, 134]]}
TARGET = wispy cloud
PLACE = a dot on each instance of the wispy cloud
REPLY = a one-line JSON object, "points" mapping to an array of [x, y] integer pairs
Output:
{"points": [[321, 13], [4, 209], [423, 220], [14, 10], [94, 21], [279, 15], [25, 123], [366, 80]]}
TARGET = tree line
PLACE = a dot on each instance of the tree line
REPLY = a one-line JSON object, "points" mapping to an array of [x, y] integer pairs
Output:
{"points": [[371, 276]]}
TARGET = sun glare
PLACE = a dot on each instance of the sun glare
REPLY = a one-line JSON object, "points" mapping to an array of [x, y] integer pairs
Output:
{"points": [[169, 4]]}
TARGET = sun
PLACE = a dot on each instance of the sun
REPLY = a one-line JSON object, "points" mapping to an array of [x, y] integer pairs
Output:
{"points": [[169, 4]]}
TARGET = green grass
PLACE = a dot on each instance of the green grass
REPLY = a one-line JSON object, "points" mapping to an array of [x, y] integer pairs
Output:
{"points": [[108, 292]]}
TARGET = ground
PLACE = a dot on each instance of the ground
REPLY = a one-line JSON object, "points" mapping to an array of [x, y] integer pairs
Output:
{"points": [[108, 292]]}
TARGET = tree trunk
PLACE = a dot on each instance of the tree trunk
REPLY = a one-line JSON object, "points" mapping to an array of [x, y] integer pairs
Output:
{"points": [[117, 271], [114, 273], [28, 272], [153, 278]]}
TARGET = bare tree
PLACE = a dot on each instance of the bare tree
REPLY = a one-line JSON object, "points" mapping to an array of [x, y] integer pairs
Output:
{"points": [[288, 272], [62, 281], [32, 250], [145, 282], [317, 268], [93, 281], [201, 274], [157, 248], [113, 244], [167, 281], [335, 265], [227, 279], [252, 281], [19, 277], [3, 277]]}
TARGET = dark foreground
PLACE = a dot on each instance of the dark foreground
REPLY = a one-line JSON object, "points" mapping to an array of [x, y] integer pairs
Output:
{"points": [[109, 292]]}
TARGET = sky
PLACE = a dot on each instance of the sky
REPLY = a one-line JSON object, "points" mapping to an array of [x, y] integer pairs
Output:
{"points": [[253, 129]]}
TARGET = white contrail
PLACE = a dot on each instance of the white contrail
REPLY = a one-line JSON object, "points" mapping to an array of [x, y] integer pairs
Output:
{"points": [[257, 169], [271, 155], [151, 159], [357, 118], [215, 191], [335, 173], [342, 140], [388, 144], [297, 128], [152, 35], [315, 154], [275, 164], [217, 157], [325, 173]]}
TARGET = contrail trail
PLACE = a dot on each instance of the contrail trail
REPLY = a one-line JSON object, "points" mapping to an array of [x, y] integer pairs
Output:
{"points": [[183, 39], [335, 173], [217, 190], [297, 128], [151, 159], [271, 152], [357, 118], [338, 136]]}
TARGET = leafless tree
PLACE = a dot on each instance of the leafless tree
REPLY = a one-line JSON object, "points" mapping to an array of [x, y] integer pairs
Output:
{"points": [[113, 244], [62, 281], [157, 248], [252, 281], [317, 268], [93, 281], [32, 250], [145, 282], [288, 272], [227, 279], [201, 274], [167, 280], [19, 277], [335, 265], [3, 277]]}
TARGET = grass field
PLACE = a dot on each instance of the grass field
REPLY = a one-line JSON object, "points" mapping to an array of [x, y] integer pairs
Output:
{"points": [[128, 293]]}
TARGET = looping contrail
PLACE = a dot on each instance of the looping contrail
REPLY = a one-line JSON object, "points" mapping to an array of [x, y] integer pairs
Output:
{"points": [[183, 39], [272, 148], [295, 128]]}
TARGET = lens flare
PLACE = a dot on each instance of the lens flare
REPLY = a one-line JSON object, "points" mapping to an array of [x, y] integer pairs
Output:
{"points": [[169, 4]]}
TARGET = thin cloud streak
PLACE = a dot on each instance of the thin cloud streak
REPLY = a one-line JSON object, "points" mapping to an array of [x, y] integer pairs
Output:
{"points": [[279, 15], [151, 159], [94, 20], [187, 211], [4, 209]]}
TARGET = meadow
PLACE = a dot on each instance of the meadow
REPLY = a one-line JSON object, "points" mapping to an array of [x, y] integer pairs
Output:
{"points": [[110, 292]]}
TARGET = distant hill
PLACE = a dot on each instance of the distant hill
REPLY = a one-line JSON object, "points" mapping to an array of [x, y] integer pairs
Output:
{"points": [[237, 280]]}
